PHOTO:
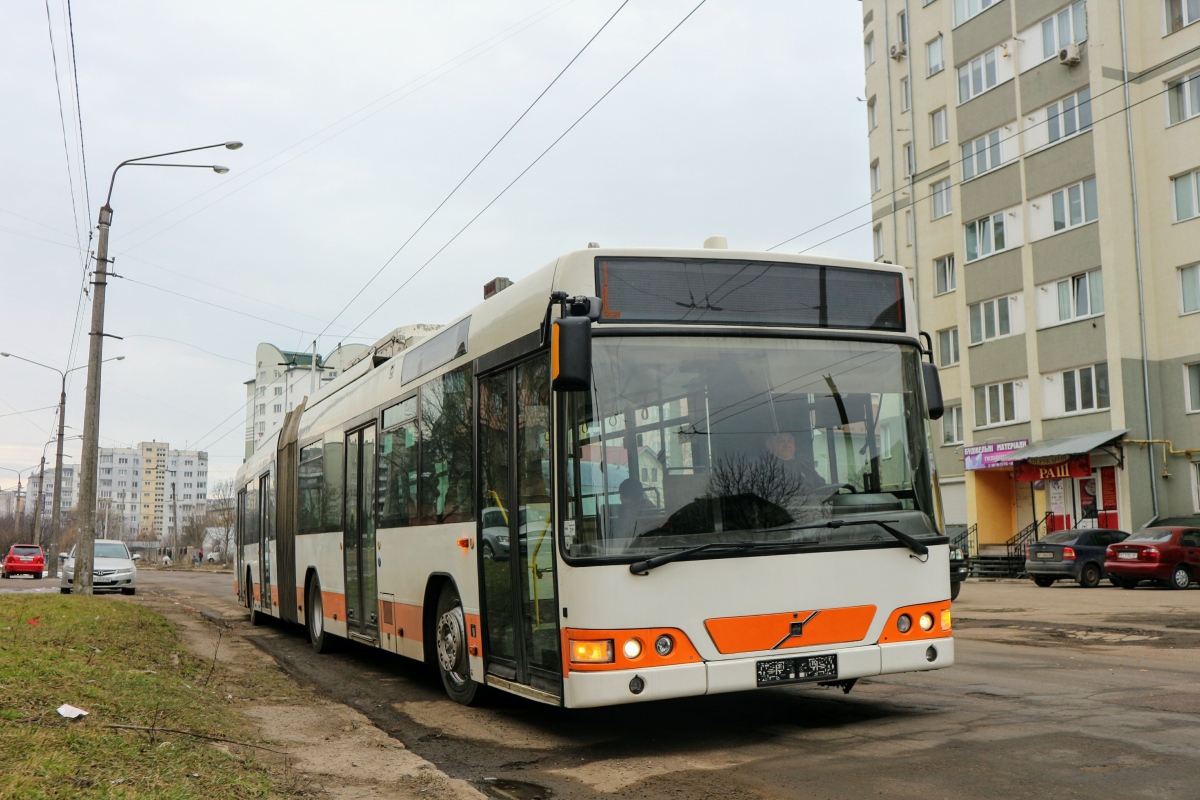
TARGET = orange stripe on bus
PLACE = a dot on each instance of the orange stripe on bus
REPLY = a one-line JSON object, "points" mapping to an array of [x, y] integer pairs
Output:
{"points": [[274, 595], [333, 605], [406, 620], [257, 592], [790, 629], [474, 634]]}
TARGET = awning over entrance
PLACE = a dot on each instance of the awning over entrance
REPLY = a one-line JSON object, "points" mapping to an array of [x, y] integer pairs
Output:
{"points": [[1068, 445]]}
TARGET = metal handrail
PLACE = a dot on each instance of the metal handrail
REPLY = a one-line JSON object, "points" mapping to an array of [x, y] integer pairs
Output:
{"points": [[1025, 537], [968, 541]]}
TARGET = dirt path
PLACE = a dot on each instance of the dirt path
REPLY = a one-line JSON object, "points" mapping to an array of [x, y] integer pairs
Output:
{"points": [[332, 750]]}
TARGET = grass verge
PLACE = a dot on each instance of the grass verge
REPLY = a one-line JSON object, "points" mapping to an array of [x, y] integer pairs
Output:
{"points": [[125, 665]]}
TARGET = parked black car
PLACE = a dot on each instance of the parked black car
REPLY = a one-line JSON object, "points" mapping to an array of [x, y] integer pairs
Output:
{"points": [[960, 567], [1075, 554]]}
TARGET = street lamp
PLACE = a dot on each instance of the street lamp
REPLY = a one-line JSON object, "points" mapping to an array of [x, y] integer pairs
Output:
{"points": [[52, 545], [91, 415]]}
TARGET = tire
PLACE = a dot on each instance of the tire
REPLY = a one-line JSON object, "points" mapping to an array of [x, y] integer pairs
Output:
{"points": [[1180, 577], [1129, 583], [64, 590], [955, 588], [1043, 580], [4, 575], [488, 553], [314, 619], [1089, 576], [129, 590], [450, 637]]}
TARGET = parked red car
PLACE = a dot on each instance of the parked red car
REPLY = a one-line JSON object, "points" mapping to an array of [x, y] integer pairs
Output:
{"points": [[24, 559], [1171, 555]]}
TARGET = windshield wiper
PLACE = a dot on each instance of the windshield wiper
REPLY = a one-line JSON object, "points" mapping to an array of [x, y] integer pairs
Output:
{"points": [[909, 541], [644, 567]]}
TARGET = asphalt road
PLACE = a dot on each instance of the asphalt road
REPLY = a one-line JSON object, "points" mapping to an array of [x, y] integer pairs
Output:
{"points": [[1060, 692]]}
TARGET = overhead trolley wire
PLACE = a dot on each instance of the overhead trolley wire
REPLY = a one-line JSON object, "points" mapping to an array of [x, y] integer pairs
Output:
{"points": [[531, 165], [477, 165], [521, 26]]}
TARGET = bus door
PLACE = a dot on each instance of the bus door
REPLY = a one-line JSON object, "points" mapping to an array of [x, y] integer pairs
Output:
{"points": [[266, 538], [520, 608], [358, 542]]}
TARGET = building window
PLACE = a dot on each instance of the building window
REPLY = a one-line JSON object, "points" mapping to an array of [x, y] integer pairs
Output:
{"points": [[1077, 297], [910, 232], [999, 403], [1069, 116], [935, 56], [873, 115], [1183, 98], [1068, 26], [994, 319], [1189, 286], [948, 347], [278, 391], [981, 155], [1196, 487], [262, 408], [902, 27], [910, 160], [1074, 205], [977, 76], [952, 426], [1181, 13], [985, 236], [262, 428], [874, 176], [940, 194], [905, 95], [1082, 390], [939, 127], [877, 239], [965, 9], [279, 408], [869, 49], [1193, 387], [943, 269], [1187, 199]]}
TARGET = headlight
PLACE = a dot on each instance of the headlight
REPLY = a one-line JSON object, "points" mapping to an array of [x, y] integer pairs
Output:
{"points": [[632, 648], [926, 622], [956, 554], [663, 645], [904, 624]]}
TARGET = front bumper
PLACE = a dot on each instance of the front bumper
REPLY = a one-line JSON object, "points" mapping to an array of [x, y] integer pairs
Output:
{"points": [[589, 689], [100, 583], [1052, 569]]}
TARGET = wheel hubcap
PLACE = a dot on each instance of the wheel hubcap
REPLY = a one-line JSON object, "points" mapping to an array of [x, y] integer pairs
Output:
{"points": [[316, 615], [1181, 579], [450, 638]]}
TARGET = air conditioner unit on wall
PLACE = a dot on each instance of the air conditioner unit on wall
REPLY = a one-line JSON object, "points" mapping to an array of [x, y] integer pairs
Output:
{"points": [[1069, 55], [898, 50]]}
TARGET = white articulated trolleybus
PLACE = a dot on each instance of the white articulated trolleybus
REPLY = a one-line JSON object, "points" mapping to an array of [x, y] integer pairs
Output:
{"points": [[635, 474]]}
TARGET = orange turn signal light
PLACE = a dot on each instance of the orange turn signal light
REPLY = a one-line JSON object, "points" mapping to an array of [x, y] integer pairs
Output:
{"points": [[946, 619], [592, 651], [464, 543]]}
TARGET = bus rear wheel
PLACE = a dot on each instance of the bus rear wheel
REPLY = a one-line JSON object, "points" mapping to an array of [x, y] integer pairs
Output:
{"points": [[450, 634], [314, 619]]}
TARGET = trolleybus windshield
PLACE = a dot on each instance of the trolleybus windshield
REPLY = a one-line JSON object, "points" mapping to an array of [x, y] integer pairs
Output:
{"points": [[688, 440]]}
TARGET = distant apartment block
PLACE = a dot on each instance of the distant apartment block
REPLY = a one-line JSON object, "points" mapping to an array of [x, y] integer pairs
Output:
{"points": [[141, 489]]}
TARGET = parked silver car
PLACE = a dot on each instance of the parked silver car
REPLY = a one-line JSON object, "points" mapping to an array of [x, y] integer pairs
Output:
{"points": [[112, 568]]}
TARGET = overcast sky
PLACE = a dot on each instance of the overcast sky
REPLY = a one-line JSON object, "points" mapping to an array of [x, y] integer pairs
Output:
{"points": [[358, 118]]}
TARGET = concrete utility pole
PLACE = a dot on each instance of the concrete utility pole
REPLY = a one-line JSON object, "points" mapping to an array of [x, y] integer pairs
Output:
{"points": [[37, 509], [174, 516], [89, 469]]}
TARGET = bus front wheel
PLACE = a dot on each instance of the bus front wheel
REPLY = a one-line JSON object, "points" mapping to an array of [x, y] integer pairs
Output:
{"points": [[450, 635]]}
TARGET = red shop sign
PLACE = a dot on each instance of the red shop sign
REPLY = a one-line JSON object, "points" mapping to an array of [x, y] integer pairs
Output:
{"points": [[1044, 469]]}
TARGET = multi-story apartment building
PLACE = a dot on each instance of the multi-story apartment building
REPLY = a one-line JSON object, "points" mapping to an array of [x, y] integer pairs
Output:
{"points": [[284, 378], [1036, 165], [140, 489], [68, 498]]}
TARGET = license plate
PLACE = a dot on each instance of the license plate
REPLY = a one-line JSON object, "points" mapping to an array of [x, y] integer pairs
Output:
{"points": [[27, 558], [1044, 554], [797, 669], [1127, 554]]}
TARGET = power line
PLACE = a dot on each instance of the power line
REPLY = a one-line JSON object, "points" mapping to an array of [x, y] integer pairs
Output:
{"points": [[188, 344], [532, 163], [478, 164], [79, 113], [63, 124], [542, 14], [892, 194]]}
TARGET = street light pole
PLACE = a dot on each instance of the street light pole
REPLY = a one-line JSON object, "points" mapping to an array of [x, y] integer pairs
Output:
{"points": [[91, 415], [56, 511]]}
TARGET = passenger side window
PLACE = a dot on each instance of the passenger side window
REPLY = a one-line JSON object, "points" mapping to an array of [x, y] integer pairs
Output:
{"points": [[446, 449], [1190, 539]]}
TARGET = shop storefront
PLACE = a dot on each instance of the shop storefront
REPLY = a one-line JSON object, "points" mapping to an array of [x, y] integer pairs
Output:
{"points": [[993, 503], [1078, 477]]}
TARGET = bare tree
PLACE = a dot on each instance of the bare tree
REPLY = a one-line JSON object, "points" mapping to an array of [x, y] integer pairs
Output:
{"points": [[222, 515]]}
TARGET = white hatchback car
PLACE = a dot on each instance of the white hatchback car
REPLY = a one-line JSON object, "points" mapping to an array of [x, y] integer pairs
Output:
{"points": [[112, 568]]}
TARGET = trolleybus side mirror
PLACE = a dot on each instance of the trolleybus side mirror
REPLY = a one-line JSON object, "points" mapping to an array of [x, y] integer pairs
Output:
{"points": [[933, 390], [571, 354]]}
